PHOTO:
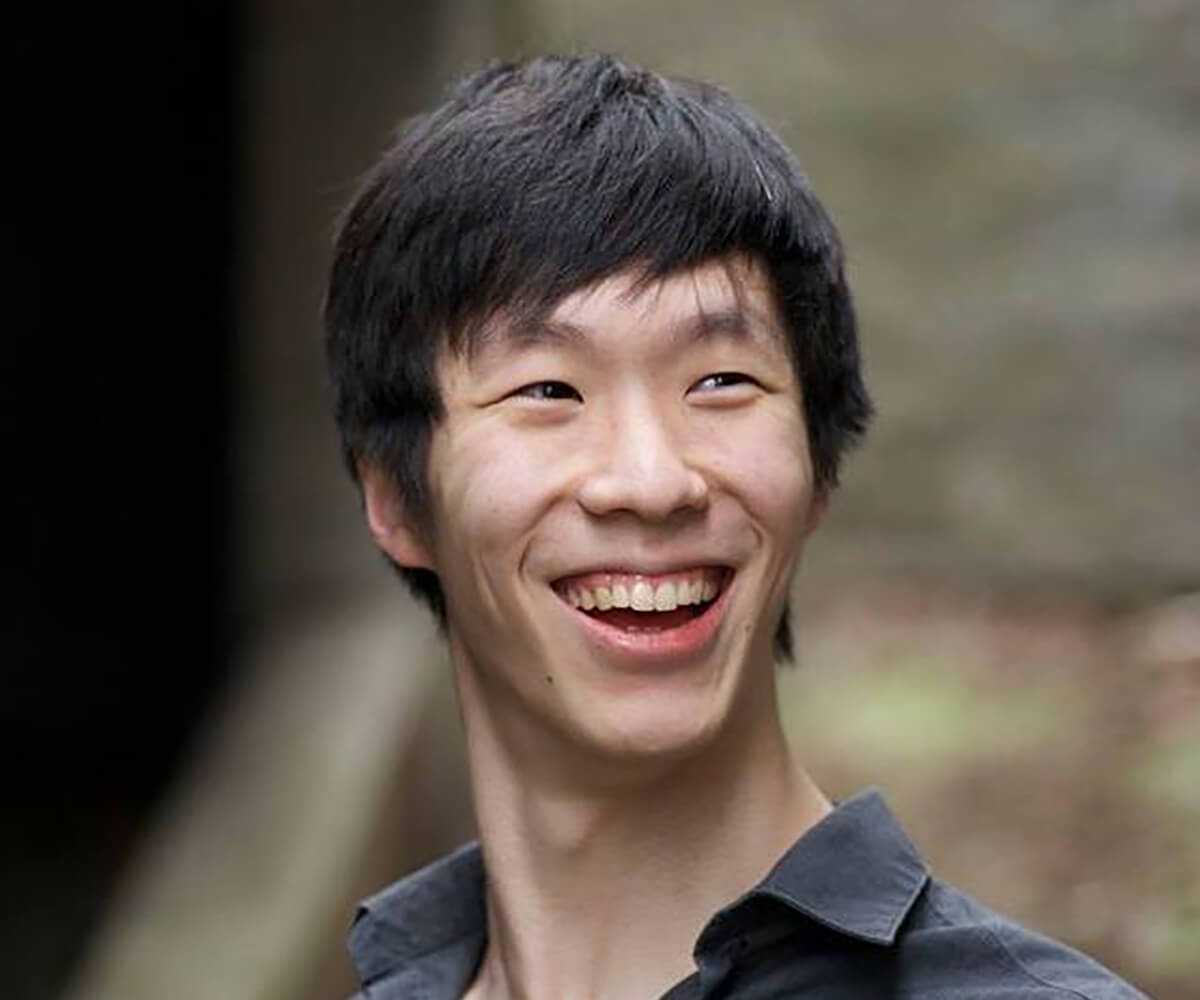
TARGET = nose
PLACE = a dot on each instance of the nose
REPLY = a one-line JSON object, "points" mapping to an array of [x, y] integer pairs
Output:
{"points": [[641, 469]]}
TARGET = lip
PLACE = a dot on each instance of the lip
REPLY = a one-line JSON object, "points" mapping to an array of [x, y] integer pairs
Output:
{"points": [[647, 568], [656, 649]]}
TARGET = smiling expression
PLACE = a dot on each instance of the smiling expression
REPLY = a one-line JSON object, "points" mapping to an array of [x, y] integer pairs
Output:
{"points": [[620, 493]]}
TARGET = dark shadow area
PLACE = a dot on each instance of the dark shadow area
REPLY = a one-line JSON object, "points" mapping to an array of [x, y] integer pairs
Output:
{"points": [[117, 460]]}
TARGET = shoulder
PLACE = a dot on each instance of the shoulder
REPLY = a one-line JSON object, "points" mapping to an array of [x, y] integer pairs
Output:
{"points": [[954, 946]]}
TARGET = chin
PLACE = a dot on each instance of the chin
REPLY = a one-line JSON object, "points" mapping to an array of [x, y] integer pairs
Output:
{"points": [[661, 725]]}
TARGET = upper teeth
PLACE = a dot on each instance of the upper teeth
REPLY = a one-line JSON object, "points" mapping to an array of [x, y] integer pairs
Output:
{"points": [[642, 595]]}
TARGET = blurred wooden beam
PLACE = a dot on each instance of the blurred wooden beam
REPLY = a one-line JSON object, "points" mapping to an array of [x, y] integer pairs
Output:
{"points": [[234, 893]]}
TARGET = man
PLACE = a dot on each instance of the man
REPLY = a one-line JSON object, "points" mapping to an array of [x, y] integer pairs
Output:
{"points": [[596, 367]]}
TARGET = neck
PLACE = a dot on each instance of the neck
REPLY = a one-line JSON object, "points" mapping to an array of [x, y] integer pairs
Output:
{"points": [[599, 885]]}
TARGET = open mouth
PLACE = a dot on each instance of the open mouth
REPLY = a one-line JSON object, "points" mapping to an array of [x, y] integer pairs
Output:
{"points": [[637, 603]]}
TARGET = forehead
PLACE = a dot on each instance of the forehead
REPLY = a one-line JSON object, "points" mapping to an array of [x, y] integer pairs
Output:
{"points": [[728, 298]]}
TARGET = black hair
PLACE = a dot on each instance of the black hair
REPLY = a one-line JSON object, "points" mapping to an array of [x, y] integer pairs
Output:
{"points": [[537, 178]]}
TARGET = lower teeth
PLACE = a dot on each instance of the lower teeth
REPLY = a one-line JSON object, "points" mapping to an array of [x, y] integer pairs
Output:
{"points": [[647, 619]]}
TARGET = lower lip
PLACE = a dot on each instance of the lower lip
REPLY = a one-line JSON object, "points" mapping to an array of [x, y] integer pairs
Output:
{"points": [[665, 647]]}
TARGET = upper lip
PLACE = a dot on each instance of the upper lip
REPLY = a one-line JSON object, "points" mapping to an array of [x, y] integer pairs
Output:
{"points": [[645, 567]]}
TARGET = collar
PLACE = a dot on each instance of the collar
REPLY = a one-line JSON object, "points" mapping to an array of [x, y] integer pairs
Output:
{"points": [[854, 871], [425, 926]]}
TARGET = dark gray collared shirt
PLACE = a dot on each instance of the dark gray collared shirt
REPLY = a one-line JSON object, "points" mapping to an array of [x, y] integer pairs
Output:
{"points": [[850, 912]]}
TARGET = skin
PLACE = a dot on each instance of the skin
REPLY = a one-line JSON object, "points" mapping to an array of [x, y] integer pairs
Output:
{"points": [[639, 429]]}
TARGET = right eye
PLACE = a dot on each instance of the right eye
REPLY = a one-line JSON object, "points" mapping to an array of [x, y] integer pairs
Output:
{"points": [[549, 390]]}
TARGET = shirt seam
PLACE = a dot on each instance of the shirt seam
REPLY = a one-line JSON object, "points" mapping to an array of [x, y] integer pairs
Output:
{"points": [[901, 915], [990, 930], [876, 932]]}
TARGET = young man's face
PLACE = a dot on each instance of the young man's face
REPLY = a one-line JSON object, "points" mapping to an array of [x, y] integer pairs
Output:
{"points": [[619, 497]]}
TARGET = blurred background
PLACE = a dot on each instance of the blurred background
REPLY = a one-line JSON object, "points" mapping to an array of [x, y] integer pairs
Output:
{"points": [[223, 722]]}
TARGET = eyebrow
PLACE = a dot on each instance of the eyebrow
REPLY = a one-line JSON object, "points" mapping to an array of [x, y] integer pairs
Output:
{"points": [[729, 322]]}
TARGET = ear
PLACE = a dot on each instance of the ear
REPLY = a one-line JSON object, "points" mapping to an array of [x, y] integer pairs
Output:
{"points": [[816, 511], [390, 525]]}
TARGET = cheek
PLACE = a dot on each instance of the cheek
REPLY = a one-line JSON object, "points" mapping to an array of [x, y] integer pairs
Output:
{"points": [[767, 465], [490, 490]]}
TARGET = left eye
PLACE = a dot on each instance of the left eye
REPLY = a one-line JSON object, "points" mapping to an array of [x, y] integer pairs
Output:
{"points": [[548, 390], [723, 380]]}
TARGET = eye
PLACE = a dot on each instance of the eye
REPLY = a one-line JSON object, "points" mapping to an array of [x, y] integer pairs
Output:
{"points": [[722, 380], [549, 390]]}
